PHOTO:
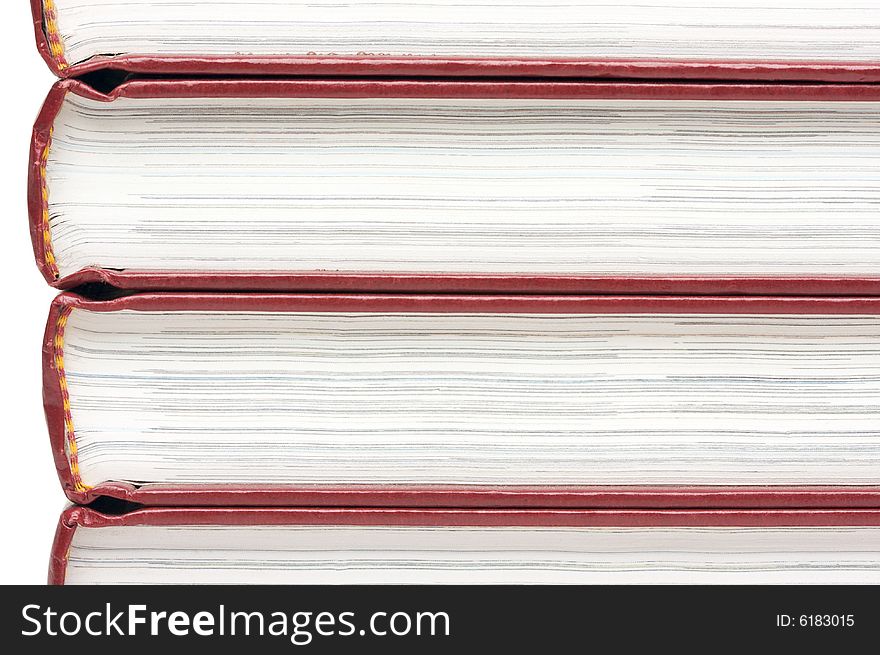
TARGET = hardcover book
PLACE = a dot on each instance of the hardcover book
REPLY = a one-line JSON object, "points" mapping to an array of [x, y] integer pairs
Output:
{"points": [[449, 400], [648, 39], [364, 546], [439, 186]]}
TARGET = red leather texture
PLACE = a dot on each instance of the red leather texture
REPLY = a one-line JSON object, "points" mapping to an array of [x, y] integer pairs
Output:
{"points": [[75, 517], [354, 281], [520, 497], [434, 496], [794, 71], [42, 41], [67, 524], [53, 405]]}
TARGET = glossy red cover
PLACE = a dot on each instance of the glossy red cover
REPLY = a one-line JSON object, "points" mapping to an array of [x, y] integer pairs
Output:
{"points": [[443, 496], [75, 517], [795, 71], [354, 281]]}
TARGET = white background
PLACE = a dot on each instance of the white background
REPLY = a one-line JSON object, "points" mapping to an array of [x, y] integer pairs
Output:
{"points": [[31, 498]]}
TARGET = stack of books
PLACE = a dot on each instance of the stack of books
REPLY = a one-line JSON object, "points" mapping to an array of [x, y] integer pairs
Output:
{"points": [[437, 292]]}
